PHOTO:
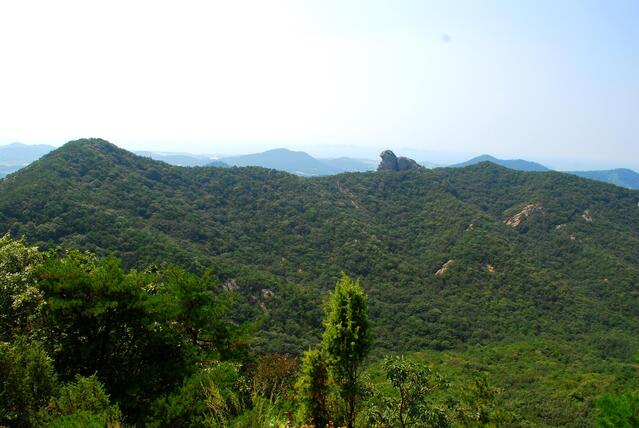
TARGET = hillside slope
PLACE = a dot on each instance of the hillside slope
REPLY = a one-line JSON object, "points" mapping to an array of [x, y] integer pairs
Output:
{"points": [[448, 256]]}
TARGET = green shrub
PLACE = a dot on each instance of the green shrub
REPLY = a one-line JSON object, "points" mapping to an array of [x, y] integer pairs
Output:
{"points": [[208, 398], [27, 381], [83, 402]]}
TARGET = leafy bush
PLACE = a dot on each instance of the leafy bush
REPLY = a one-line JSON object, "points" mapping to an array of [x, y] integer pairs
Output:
{"points": [[208, 398], [83, 402], [411, 404], [27, 380]]}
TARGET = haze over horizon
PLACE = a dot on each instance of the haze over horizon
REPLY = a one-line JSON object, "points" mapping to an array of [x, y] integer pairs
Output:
{"points": [[550, 82]]}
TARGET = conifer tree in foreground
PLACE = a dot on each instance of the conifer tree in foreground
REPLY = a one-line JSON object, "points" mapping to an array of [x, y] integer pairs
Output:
{"points": [[347, 339]]}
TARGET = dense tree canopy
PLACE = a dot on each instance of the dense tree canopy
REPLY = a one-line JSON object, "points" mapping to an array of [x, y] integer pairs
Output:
{"points": [[561, 272], [140, 333], [532, 278]]}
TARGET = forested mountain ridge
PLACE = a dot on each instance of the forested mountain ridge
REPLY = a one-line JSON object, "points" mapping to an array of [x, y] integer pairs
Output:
{"points": [[576, 251], [564, 266], [531, 277]]}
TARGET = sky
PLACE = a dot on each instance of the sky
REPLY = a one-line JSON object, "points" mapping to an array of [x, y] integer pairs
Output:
{"points": [[551, 81]]}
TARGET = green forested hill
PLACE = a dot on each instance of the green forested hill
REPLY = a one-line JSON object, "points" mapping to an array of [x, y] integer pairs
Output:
{"points": [[567, 265], [530, 278]]}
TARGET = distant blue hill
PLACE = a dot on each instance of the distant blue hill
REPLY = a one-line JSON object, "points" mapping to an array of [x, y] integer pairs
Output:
{"points": [[179, 159], [516, 164], [15, 156], [22, 154], [297, 162], [351, 164], [5, 170], [621, 177]]}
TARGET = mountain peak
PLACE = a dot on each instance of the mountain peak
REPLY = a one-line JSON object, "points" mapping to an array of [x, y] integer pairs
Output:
{"points": [[94, 143], [92, 147], [284, 150], [80, 156], [516, 164], [485, 158]]}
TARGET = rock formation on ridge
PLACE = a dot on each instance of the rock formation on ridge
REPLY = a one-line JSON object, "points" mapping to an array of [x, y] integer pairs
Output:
{"points": [[390, 162]]}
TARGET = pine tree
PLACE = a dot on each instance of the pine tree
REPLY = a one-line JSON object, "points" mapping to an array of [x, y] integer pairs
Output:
{"points": [[346, 340]]}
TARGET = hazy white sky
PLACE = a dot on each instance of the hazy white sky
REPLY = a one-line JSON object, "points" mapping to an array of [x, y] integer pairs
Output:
{"points": [[550, 81]]}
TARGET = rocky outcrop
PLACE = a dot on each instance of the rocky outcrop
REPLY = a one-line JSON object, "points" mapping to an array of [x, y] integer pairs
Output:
{"points": [[442, 270], [527, 211], [390, 162], [406, 163], [230, 286]]}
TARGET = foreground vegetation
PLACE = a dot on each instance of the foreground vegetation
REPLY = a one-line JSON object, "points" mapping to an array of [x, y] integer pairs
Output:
{"points": [[86, 343]]}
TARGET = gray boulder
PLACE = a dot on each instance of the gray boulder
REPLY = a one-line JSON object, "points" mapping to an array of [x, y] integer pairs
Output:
{"points": [[390, 162]]}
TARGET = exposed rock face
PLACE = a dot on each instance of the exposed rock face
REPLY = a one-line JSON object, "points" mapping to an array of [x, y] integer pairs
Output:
{"points": [[527, 211], [587, 216], [406, 163], [390, 162], [442, 270], [230, 286]]}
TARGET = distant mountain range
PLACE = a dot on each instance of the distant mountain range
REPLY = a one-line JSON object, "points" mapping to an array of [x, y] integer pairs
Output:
{"points": [[23, 154], [16, 156], [299, 163], [346, 164], [517, 164], [621, 177], [179, 159]]}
